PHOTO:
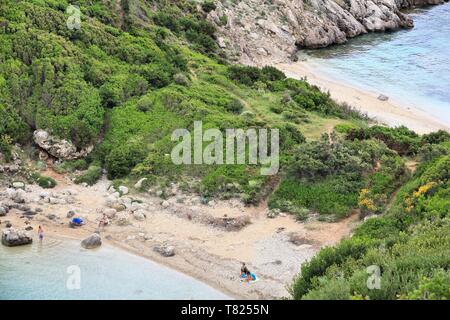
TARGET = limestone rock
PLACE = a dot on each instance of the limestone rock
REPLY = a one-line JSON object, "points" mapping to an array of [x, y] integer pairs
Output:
{"points": [[123, 219], [165, 204], [110, 213], [139, 215], [138, 184], [123, 190], [12, 237], [3, 210], [165, 250], [18, 185], [92, 241], [59, 148]]}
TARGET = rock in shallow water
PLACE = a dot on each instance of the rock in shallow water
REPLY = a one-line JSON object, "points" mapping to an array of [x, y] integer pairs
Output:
{"points": [[92, 241], [12, 237]]}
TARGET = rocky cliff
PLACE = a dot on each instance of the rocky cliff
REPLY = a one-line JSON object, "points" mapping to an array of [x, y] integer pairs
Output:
{"points": [[258, 31]]}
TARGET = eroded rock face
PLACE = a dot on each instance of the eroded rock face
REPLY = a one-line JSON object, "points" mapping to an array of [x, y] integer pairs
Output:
{"points": [[258, 31], [59, 148], [13, 237]]}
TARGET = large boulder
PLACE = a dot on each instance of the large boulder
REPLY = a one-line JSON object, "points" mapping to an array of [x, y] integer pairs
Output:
{"points": [[12, 237], [92, 241], [59, 148]]}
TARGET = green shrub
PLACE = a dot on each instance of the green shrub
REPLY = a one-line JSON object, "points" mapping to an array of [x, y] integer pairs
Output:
{"points": [[181, 79], [144, 104], [235, 106], [437, 137], [6, 147], [71, 166], [400, 139], [91, 176], [208, 6], [122, 159], [43, 181]]}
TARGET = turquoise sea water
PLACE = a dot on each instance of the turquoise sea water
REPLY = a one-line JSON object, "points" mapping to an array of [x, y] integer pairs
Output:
{"points": [[411, 66], [40, 271]]}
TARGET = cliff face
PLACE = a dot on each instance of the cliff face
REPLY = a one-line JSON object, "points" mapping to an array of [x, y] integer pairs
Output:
{"points": [[258, 31]]}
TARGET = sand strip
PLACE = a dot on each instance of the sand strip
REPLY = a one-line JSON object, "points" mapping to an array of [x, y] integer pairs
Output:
{"points": [[392, 113]]}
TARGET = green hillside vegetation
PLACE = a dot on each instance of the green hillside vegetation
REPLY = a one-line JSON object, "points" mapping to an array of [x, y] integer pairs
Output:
{"points": [[410, 243], [125, 83], [137, 70]]}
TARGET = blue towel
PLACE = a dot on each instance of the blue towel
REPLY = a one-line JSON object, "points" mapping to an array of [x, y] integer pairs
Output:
{"points": [[77, 220]]}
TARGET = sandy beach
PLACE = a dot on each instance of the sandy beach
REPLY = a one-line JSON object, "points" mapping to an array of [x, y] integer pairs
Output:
{"points": [[203, 251], [392, 113]]}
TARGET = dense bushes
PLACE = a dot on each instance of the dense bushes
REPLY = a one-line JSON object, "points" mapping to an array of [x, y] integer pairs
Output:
{"points": [[409, 244], [6, 148], [184, 20], [250, 75], [122, 159], [329, 175], [12, 125], [400, 139]]}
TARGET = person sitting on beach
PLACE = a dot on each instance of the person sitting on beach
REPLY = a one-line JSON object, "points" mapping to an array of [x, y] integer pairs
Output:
{"points": [[249, 277], [244, 270]]}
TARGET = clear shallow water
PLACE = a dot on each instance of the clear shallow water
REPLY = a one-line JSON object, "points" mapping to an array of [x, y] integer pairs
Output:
{"points": [[411, 66], [39, 271]]}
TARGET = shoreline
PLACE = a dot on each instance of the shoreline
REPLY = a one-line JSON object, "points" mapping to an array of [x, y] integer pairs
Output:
{"points": [[56, 232], [202, 251], [391, 112]]}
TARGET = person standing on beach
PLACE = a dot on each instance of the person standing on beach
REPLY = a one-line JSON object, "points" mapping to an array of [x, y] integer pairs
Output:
{"points": [[40, 233]]}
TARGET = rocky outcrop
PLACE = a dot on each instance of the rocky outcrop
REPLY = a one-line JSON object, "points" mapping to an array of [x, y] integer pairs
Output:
{"points": [[92, 241], [12, 237], [259, 32], [59, 148]]}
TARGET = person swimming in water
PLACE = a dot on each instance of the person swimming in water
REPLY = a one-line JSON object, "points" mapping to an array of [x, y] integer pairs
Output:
{"points": [[40, 233]]}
